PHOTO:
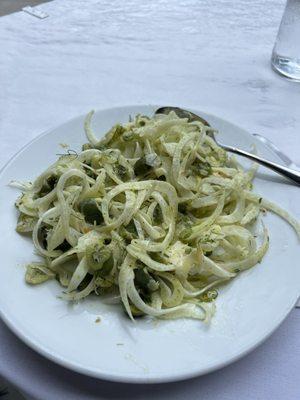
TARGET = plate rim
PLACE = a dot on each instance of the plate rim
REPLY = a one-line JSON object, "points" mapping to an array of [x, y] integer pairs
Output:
{"points": [[92, 372]]}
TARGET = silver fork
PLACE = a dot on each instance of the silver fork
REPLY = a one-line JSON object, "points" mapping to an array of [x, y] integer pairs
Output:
{"points": [[287, 172], [288, 162]]}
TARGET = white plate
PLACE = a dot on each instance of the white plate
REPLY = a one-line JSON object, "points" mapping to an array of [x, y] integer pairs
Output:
{"points": [[248, 309]]}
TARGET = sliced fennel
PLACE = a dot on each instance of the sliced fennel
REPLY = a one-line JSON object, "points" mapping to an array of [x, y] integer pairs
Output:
{"points": [[155, 213]]}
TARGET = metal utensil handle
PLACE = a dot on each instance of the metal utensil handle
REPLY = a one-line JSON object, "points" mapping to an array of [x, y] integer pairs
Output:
{"points": [[289, 173]]}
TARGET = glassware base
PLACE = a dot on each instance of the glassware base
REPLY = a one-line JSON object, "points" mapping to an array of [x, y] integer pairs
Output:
{"points": [[286, 66]]}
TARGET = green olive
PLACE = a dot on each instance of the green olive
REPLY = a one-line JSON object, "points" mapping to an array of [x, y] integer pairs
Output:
{"points": [[96, 256], [91, 211]]}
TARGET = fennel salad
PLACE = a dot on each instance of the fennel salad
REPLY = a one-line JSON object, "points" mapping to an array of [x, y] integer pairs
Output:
{"points": [[155, 214]]}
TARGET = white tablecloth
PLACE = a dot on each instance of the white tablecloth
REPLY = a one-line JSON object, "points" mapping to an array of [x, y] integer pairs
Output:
{"points": [[211, 55]]}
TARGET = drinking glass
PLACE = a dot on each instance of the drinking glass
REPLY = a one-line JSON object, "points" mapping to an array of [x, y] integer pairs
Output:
{"points": [[286, 52]]}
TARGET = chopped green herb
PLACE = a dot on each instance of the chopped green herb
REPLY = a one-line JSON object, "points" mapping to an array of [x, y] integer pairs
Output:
{"points": [[86, 146], [201, 168], [128, 136], [185, 234], [209, 296]]}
